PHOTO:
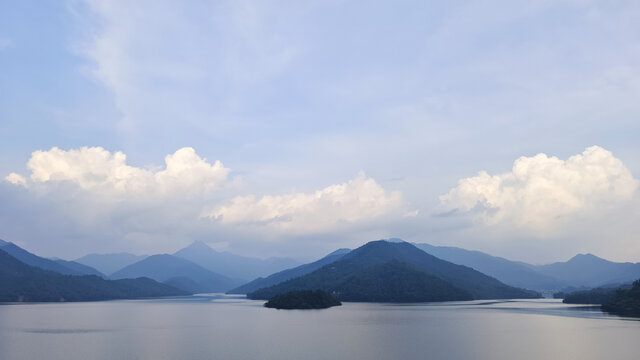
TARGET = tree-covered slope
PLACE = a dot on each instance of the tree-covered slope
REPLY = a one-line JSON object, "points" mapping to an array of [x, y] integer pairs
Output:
{"points": [[304, 299], [59, 266], [395, 281], [624, 301], [21, 282], [382, 252], [80, 268], [285, 275], [592, 296]]}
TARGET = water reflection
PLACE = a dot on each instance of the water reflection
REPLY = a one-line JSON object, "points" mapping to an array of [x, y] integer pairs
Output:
{"points": [[230, 327]]}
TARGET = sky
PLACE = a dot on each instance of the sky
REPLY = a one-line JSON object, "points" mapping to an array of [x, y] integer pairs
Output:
{"points": [[292, 128]]}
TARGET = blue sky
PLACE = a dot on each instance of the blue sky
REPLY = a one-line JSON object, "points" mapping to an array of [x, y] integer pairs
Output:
{"points": [[334, 122]]}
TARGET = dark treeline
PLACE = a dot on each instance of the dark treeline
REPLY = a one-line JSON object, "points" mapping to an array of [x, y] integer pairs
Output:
{"points": [[304, 299], [624, 300], [24, 283]]}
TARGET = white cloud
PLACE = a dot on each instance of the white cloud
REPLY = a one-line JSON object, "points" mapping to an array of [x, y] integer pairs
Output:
{"points": [[359, 200], [541, 192], [90, 198], [98, 170], [16, 179]]}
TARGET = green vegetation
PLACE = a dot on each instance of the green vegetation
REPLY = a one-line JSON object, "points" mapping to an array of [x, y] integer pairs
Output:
{"points": [[397, 282], [624, 301], [382, 271], [24, 283], [389, 282], [593, 296], [305, 299], [285, 275]]}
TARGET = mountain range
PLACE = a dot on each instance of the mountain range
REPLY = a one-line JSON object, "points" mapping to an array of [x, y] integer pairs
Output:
{"points": [[509, 272], [587, 270], [20, 282], [285, 275], [59, 266], [109, 263], [417, 271], [360, 272], [231, 265], [178, 272], [583, 270]]}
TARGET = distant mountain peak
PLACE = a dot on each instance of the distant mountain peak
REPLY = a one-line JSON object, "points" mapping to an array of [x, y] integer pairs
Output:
{"points": [[586, 257], [394, 240], [199, 245]]}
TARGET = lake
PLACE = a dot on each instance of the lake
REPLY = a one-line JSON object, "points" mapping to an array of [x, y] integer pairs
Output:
{"points": [[226, 327]]}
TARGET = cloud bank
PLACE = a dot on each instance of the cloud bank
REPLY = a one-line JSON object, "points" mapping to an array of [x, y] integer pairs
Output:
{"points": [[541, 193], [98, 170], [358, 200], [87, 195]]}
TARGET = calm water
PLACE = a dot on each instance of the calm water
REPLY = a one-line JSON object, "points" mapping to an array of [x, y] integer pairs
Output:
{"points": [[218, 327]]}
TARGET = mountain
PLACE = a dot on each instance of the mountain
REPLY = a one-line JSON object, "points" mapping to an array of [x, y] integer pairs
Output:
{"points": [[591, 271], [285, 275], [59, 266], [395, 281], [179, 272], [509, 272], [79, 268], [21, 282], [231, 265], [109, 263], [358, 267]]}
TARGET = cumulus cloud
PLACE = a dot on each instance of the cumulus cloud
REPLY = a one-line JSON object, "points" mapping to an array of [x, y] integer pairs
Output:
{"points": [[542, 192], [91, 198], [358, 200], [97, 169], [16, 179]]}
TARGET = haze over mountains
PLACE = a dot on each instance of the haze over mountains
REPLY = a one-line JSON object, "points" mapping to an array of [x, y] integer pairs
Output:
{"points": [[587, 270], [362, 269], [109, 263], [384, 270], [232, 265], [578, 272], [509, 272], [59, 266], [21, 282], [178, 272], [289, 273]]}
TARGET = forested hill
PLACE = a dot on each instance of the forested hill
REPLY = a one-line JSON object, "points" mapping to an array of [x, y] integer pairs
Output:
{"points": [[354, 270], [23, 283], [288, 274]]}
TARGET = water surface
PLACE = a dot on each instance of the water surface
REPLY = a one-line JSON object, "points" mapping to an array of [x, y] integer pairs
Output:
{"points": [[223, 327]]}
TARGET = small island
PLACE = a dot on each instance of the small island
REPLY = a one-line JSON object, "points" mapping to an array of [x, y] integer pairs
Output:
{"points": [[303, 299]]}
